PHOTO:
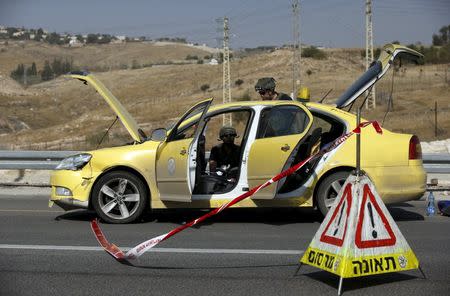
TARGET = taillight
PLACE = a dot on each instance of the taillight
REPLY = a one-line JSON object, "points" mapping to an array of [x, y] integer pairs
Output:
{"points": [[415, 150]]}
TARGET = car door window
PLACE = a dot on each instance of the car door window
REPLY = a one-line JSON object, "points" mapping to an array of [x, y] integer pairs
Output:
{"points": [[186, 128], [282, 121]]}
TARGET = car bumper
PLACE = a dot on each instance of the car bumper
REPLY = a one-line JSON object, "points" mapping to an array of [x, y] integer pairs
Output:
{"points": [[70, 189], [400, 183]]}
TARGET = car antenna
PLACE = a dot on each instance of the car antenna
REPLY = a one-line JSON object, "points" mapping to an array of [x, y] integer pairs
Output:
{"points": [[390, 97], [323, 98], [107, 131]]}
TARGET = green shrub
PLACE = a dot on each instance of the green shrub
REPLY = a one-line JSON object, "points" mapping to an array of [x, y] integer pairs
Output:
{"points": [[204, 87], [314, 52]]}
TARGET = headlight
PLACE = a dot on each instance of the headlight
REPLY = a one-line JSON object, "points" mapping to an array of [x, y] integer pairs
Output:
{"points": [[74, 162]]}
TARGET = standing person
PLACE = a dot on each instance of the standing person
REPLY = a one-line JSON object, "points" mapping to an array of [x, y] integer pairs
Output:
{"points": [[226, 154], [266, 88]]}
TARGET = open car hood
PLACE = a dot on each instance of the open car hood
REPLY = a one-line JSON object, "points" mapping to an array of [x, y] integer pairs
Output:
{"points": [[127, 120], [376, 70]]}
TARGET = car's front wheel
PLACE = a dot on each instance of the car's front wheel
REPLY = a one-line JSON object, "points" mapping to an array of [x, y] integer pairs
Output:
{"points": [[329, 189], [119, 197]]}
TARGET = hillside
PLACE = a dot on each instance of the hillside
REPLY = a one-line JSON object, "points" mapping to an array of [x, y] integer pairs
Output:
{"points": [[96, 57], [65, 114]]}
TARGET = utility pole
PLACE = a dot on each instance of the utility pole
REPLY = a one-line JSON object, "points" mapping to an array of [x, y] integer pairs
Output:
{"points": [[371, 99], [219, 38], [296, 48], [226, 72]]}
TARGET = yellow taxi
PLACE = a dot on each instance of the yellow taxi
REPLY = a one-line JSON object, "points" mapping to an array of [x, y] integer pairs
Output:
{"points": [[171, 168]]}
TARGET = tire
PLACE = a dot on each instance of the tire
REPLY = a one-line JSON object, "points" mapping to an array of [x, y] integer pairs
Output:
{"points": [[119, 197], [329, 190]]}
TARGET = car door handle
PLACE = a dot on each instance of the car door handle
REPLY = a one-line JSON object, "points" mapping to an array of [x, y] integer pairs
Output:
{"points": [[286, 147], [183, 151]]}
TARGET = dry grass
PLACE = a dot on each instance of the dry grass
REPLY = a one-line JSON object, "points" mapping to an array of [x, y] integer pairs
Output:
{"points": [[65, 114]]}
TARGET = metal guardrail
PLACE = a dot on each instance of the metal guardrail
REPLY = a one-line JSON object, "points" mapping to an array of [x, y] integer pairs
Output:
{"points": [[437, 163], [35, 160], [48, 160]]}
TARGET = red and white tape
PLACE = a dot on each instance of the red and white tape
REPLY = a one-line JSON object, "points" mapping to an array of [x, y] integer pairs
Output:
{"points": [[143, 247]]}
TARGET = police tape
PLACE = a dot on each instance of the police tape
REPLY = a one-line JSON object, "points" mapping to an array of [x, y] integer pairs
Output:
{"points": [[143, 247]]}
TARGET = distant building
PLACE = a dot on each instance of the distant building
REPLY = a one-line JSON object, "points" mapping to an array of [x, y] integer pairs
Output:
{"points": [[213, 62], [118, 39], [74, 42], [18, 34]]}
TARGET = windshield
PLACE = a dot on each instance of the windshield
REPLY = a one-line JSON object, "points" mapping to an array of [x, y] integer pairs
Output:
{"points": [[371, 73]]}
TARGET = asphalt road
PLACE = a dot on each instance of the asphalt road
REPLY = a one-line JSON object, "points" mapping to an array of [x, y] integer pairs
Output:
{"points": [[241, 252]]}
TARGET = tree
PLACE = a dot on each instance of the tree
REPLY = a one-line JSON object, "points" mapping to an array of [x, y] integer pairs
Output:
{"points": [[204, 87], [57, 67], [32, 70], [444, 36], [38, 35], [314, 52], [91, 38], [437, 41], [47, 73], [54, 38], [67, 66], [191, 57], [135, 65], [18, 73], [239, 82]]}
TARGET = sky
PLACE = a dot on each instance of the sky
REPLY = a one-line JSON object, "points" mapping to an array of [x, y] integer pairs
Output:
{"points": [[329, 23]]}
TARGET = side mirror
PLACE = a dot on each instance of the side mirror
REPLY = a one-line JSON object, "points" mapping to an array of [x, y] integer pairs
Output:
{"points": [[159, 134]]}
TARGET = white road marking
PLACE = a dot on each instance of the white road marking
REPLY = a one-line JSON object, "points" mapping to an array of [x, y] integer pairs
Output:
{"points": [[157, 250]]}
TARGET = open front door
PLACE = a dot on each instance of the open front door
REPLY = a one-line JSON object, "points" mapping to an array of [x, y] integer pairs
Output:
{"points": [[176, 158], [279, 131]]}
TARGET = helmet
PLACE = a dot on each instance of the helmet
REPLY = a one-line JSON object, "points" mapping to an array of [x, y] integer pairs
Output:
{"points": [[265, 83], [227, 130]]}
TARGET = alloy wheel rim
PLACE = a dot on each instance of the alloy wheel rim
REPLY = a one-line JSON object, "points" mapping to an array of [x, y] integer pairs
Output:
{"points": [[119, 198], [332, 192]]}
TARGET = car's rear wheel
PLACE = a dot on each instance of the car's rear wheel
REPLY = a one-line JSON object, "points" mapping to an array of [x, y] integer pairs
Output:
{"points": [[119, 197], [329, 189]]}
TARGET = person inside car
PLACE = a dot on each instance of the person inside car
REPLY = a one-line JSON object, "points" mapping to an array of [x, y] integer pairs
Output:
{"points": [[225, 156], [266, 88]]}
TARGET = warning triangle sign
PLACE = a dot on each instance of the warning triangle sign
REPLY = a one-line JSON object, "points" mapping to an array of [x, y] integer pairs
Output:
{"points": [[358, 236], [336, 228]]}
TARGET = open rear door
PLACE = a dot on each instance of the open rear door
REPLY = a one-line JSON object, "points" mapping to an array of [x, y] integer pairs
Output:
{"points": [[280, 130]]}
